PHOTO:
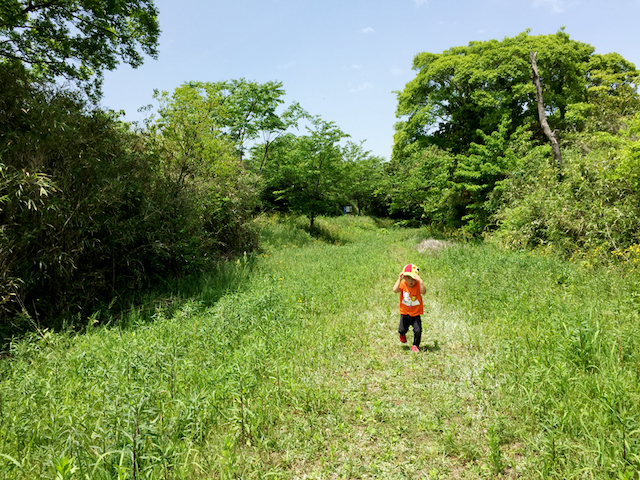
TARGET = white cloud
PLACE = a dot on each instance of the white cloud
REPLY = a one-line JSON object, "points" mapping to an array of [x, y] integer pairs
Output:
{"points": [[420, 3], [356, 67], [362, 87], [368, 30], [557, 6]]}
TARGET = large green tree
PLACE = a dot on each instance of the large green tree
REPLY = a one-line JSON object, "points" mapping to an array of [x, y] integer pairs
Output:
{"points": [[476, 104], [77, 39], [468, 89]]}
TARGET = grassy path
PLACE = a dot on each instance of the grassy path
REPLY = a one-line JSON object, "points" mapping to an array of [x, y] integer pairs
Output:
{"points": [[398, 414], [287, 365]]}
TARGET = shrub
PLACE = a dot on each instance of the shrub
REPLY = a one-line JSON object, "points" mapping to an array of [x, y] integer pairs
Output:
{"points": [[88, 212]]}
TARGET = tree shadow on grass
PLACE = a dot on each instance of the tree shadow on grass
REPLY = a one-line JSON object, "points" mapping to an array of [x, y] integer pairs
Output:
{"points": [[326, 233], [202, 288]]}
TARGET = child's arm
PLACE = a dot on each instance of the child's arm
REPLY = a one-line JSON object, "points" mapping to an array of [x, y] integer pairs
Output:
{"points": [[396, 287], [423, 289]]}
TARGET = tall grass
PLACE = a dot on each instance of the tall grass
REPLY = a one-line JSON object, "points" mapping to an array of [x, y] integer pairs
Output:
{"points": [[286, 364], [565, 345], [183, 395]]}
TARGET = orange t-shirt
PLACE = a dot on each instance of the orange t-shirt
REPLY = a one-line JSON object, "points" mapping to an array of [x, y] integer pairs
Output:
{"points": [[410, 300]]}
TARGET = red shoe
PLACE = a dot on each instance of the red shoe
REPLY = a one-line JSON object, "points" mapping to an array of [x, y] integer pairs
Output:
{"points": [[403, 338], [414, 348]]}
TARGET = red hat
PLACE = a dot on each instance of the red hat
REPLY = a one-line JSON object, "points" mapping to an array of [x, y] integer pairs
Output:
{"points": [[411, 270]]}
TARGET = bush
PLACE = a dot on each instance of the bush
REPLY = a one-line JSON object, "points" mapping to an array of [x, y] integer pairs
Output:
{"points": [[88, 212], [586, 206]]}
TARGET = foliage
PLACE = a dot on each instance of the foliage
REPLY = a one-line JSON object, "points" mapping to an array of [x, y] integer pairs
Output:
{"points": [[422, 187], [250, 111], [364, 176], [306, 174], [77, 39], [239, 110], [612, 93], [468, 89], [201, 159], [592, 206], [91, 213], [479, 173], [456, 191], [469, 152]]}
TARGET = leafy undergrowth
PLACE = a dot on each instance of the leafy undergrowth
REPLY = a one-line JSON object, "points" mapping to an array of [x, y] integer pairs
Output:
{"points": [[295, 371]]}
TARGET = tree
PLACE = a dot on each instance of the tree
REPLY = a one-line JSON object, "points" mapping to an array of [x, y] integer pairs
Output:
{"points": [[612, 94], [364, 174], [306, 175], [421, 188], [77, 39], [201, 158], [471, 112], [249, 108], [468, 89], [479, 173], [239, 110], [193, 142], [290, 118]]}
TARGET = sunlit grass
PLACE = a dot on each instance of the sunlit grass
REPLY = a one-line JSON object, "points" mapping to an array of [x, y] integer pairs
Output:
{"points": [[285, 364]]}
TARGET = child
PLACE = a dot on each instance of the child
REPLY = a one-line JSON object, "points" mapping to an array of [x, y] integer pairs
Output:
{"points": [[411, 287]]}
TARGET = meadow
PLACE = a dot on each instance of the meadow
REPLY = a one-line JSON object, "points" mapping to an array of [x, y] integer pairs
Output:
{"points": [[285, 364]]}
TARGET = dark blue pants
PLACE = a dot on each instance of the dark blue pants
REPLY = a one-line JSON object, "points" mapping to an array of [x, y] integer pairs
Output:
{"points": [[407, 321]]}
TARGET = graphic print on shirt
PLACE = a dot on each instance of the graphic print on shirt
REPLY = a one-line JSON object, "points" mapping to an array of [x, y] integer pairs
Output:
{"points": [[408, 300]]}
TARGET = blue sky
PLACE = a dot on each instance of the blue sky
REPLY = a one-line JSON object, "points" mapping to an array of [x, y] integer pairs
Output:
{"points": [[344, 59]]}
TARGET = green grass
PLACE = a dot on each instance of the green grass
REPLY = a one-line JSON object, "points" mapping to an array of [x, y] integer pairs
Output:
{"points": [[566, 356], [286, 365]]}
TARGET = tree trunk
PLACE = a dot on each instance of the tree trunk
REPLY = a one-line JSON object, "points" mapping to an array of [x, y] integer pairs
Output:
{"points": [[552, 136]]}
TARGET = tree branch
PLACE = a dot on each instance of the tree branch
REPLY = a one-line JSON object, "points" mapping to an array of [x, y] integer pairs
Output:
{"points": [[552, 136]]}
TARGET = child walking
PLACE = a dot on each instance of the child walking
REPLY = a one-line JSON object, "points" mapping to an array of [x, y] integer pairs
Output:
{"points": [[410, 287]]}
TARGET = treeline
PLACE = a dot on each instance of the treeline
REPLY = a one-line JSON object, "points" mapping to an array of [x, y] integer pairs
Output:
{"points": [[93, 209]]}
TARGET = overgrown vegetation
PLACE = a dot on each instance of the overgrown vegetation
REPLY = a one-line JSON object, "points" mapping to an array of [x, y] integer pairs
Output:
{"points": [[287, 364], [92, 212]]}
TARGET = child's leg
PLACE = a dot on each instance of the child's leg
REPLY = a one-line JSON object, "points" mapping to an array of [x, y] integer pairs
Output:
{"points": [[403, 327], [417, 330]]}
